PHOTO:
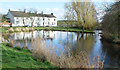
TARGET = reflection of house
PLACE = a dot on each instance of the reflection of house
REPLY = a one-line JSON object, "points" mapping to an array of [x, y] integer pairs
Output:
{"points": [[20, 18], [34, 34], [49, 34]]}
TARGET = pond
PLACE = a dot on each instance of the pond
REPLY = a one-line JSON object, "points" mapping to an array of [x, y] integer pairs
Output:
{"points": [[78, 42]]}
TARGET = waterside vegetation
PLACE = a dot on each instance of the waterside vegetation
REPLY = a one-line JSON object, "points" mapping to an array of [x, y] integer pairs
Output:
{"points": [[111, 23], [60, 59], [21, 58], [27, 29]]}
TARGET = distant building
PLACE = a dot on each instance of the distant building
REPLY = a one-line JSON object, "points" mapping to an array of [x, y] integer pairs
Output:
{"points": [[20, 18]]}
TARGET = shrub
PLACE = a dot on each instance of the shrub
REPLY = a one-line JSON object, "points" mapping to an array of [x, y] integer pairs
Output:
{"points": [[5, 36], [63, 60], [17, 48], [25, 47], [110, 22], [31, 29], [11, 30], [17, 29], [10, 44]]}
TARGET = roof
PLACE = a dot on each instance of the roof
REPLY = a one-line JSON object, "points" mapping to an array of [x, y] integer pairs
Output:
{"points": [[23, 14], [46, 15]]}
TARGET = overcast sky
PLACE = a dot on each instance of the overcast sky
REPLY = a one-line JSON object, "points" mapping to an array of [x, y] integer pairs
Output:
{"points": [[47, 6]]}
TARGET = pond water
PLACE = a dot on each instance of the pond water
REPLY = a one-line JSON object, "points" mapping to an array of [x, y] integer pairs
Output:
{"points": [[77, 41]]}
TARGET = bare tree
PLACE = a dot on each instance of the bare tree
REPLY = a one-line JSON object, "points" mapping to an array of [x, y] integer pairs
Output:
{"points": [[32, 10], [23, 16], [32, 18], [83, 12]]}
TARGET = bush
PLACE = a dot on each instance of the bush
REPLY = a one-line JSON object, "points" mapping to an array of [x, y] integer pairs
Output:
{"points": [[17, 48], [63, 60], [110, 22], [25, 47], [17, 29], [9, 44], [5, 36]]}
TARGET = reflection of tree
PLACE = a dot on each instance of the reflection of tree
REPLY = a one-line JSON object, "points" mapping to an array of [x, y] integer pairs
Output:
{"points": [[78, 35], [112, 53], [67, 37], [68, 40], [81, 37], [83, 43]]}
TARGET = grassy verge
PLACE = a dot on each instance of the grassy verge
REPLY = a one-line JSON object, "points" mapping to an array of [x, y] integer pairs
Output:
{"points": [[3, 29], [62, 29], [51, 28], [21, 58]]}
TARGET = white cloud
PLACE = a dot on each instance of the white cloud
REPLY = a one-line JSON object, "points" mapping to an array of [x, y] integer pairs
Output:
{"points": [[59, 13], [55, 0], [14, 9], [56, 9], [34, 0], [3, 11], [47, 9]]}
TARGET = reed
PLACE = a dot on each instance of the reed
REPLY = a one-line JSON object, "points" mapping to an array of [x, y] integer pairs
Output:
{"points": [[59, 57]]}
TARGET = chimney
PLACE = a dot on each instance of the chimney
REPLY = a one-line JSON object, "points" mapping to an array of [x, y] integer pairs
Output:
{"points": [[24, 10], [51, 13], [9, 9], [36, 12], [42, 12]]}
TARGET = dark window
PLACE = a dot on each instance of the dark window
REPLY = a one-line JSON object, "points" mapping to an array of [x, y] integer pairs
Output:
{"points": [[17, 22], [54, 19]]}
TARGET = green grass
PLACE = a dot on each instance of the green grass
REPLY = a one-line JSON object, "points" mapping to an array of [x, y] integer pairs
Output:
{"points": [[15, 58], [62, 29], [52, 28], [3, 29]]}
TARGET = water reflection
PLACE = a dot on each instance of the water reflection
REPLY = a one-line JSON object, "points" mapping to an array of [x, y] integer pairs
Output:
{"points": [[75, 40], [35, 34]]}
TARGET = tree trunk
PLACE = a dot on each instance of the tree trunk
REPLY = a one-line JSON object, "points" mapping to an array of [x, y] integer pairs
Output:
{"points": [[82, 29]]}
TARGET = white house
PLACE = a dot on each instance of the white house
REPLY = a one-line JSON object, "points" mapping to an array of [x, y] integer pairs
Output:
{"points": [[20, 18]]}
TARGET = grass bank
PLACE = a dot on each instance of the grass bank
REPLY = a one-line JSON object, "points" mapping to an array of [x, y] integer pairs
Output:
{"points": [[51, 28], [62, 29], [2, 30], [21, 58]]}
